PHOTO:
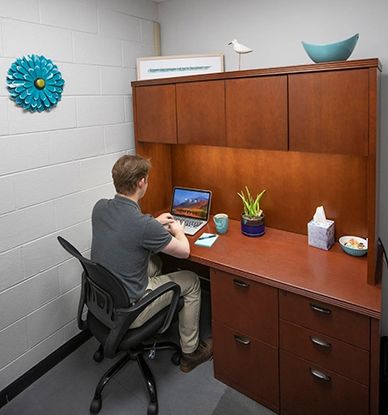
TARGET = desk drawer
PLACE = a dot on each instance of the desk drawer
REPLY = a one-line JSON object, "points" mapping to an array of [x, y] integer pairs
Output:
{"points": [[245, 305], [333, 321], [303, 393], [327, 352], [247, 364]]}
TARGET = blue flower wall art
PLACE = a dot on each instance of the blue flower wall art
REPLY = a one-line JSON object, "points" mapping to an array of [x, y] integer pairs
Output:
{"points": [[35, 83]]}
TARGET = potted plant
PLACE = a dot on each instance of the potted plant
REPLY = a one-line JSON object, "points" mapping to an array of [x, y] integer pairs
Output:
{"points": [[252, 219]]}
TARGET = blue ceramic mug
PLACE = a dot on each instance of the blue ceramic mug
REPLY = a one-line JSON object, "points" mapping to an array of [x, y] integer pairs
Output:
{"points": [[221, 221]]}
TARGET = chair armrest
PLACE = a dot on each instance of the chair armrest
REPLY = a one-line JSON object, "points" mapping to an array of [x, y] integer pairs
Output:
{"points": [[127, 316], [176, 289], [136, 309]]}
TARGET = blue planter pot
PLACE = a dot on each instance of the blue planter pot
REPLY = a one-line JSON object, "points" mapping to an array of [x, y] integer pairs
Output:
{"points": [[252, 226]]}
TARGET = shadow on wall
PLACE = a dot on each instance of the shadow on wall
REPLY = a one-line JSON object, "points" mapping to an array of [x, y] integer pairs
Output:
{"points": [[383, 201]]}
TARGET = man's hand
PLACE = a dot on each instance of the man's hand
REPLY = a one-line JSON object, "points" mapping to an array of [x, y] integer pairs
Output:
{"points": [[165, 218], [176, 227], [179, 245]]}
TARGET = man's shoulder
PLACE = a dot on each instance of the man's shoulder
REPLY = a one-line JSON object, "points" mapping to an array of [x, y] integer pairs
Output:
{"points": [[101, 206], [101, 203]]}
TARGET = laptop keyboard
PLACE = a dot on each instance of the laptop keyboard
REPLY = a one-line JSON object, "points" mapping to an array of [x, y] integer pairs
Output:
{"points": [[191, 223]]}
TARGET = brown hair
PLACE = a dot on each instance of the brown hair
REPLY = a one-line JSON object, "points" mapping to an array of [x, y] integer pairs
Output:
{"points": [[128, 171]]}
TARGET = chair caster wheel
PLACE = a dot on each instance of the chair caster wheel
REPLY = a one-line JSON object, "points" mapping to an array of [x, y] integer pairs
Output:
{"points": [[98, 356], [152, 408], [176, 358], [95, 406]]}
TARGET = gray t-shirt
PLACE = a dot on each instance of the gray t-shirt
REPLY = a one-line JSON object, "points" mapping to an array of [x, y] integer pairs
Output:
{"points": [[123, 240]]}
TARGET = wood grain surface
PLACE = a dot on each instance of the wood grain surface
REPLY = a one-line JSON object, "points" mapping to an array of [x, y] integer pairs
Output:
{"points": [[201, 113], [296, 184], [256, 113], [285, 260], [328, 112]]}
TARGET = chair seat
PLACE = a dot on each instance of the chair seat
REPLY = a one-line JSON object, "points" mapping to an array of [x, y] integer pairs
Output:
{"points": [[134, 336]]}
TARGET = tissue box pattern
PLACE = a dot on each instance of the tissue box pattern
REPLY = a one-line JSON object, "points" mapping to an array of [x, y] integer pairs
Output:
{"points": [[321, 235]]}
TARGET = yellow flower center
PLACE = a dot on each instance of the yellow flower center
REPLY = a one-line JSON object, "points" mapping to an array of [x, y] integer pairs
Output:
{"points": [[40, 83]]}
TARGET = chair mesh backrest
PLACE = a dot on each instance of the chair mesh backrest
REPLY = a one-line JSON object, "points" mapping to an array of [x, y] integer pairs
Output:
{"points": [[103, 291], [106, 281]]}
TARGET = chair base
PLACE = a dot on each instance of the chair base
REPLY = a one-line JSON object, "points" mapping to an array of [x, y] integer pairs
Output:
{"points": [[133, 354]]}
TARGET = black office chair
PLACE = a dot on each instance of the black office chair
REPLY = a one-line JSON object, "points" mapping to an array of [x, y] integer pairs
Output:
{"points": [[110, 316]]}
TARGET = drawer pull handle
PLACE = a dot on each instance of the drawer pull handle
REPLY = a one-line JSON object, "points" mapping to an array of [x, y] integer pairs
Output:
{"points": [[240, 284], [319, 342], [320, 309], [320, 375], [242, 340]]}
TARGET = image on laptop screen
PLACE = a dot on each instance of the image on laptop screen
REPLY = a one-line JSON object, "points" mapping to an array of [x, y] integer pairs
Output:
{"points": [[191, 203]]}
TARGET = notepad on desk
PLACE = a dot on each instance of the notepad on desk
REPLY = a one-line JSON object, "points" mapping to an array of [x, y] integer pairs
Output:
{"points": [[206, 239]]}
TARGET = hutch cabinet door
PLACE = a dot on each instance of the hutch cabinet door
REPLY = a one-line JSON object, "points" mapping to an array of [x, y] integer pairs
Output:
{"points": [[201, 113], [328, 112], [256, 113], [155, 114]]}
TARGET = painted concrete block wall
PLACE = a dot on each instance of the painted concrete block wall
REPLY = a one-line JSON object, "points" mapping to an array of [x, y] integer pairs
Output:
{"points": [[54, 166], [274, 29]]}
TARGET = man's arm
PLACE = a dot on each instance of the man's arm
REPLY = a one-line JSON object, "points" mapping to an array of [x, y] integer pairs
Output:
{"points": [[179, 245], [165, 218]]}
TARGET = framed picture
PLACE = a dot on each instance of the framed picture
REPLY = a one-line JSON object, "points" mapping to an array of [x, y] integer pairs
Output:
{"points": [[178, 65]]}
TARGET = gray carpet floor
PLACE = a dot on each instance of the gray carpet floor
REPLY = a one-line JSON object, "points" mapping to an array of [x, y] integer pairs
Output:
{"points": [[67, 389], [234, 403]]}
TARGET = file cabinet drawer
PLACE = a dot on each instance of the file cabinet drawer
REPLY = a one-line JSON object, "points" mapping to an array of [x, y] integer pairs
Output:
{"points": [[246, 364], [309, 389], [333, 321], [325, 351], [245, 305]]}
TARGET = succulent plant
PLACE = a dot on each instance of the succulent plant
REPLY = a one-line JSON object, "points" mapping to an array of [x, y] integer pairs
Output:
{"points": [[251, 205]]}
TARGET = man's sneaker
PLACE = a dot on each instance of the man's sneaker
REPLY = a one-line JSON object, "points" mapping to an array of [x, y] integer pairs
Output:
{"points": [[203, 353]]}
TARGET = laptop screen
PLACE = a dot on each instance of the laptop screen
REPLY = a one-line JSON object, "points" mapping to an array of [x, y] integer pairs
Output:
{"points": [[191, 203]]}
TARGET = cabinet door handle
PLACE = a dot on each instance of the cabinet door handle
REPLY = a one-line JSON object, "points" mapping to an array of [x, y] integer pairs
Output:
{"points": [[320, 375], [320, 342], [242, 340], [240, 284], [320, 309]]}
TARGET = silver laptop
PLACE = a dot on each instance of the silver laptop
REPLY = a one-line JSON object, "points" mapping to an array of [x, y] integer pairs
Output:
{"points": [[191, 206]]}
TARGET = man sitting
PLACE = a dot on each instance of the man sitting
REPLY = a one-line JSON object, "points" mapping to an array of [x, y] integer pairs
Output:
{"points": [[124, 240]]}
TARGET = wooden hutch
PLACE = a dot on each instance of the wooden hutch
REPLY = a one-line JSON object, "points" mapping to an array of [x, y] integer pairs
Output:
{"points": [[295, 328]]}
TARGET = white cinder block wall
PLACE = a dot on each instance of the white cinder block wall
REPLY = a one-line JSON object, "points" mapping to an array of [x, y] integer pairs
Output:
{"points": [[54, 166], [274, 29]]}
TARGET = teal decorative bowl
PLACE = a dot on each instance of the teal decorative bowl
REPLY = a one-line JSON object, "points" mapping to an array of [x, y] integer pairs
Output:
{"points": [[353, 245], [339, 51]]}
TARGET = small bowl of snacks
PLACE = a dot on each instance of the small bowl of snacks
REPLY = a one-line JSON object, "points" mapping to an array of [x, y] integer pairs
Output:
{"points": [[353, 245]]}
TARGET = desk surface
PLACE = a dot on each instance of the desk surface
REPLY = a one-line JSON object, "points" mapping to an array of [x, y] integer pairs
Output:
{"points": [[285, 260]]}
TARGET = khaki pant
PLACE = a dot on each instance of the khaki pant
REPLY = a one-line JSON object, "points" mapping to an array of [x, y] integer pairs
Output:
{"points": [[189, 314]]}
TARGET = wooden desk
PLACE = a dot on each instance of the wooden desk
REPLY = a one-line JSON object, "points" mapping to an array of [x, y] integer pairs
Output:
{"points": [[285, 260], [264, 291]]}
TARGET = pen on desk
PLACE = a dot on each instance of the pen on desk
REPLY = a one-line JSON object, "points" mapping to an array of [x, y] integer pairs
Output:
{"points": [[207, 237]]}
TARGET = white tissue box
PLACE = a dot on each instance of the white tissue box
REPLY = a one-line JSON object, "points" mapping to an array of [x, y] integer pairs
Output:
{"points": [[321, 235]]}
